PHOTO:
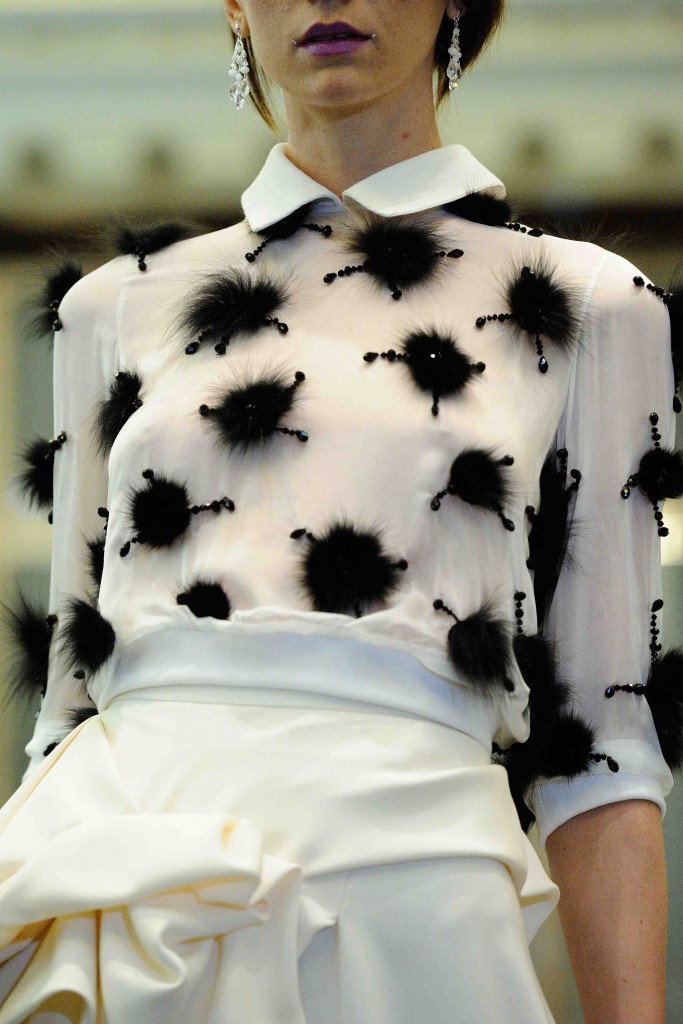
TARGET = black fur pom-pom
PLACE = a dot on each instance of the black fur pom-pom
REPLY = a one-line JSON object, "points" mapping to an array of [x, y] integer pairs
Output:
{"points": [[230, 303], [119, 405], [660, 473], [664, 694], [548, 535], [346, 568], [564, 746], [401, 252], [436, 364], [477, 478], [35, 479], [160, 511], [76, 716], [481, 208], [286, 227], [206, 600], [95, 560], [541, 305], [86, 638], [140, 240], [28, 631], [43, 308], [250, 413], [559, 744], [480, 648], [537, 662]]}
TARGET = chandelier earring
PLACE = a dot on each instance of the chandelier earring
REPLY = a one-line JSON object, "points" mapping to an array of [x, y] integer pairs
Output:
{"points": [[454, 71], [239, 72]]}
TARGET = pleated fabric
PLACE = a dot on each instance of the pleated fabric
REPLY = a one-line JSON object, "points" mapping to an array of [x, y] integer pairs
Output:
{"points": [[243, 864]]}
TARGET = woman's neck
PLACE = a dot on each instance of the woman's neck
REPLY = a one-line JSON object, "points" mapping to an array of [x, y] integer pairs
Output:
{"points": [[341, 146]]}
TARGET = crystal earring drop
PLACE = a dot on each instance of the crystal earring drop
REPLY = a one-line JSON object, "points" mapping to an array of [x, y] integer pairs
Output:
{"points": [[239, 72], [454, 70]]}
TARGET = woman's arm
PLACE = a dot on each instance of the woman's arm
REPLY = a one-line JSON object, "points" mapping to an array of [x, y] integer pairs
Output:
{"points": [[609, 863]]}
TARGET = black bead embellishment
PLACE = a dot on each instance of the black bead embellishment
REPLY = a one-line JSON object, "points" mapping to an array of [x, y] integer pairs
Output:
{"points": [[655, 646], [519, 610], [628, 688], [55, 443], [324, 229], [514, 225], [611, 763], [661, 293]]}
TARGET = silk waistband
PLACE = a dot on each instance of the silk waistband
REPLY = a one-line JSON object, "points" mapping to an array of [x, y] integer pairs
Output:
{"points": [[293, 670]]}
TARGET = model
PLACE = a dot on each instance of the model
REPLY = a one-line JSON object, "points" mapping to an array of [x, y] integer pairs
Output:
{"points": [[357, 507]]}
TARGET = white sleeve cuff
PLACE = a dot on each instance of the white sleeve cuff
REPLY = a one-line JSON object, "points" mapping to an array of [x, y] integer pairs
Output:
{"points": [[642, 775]]}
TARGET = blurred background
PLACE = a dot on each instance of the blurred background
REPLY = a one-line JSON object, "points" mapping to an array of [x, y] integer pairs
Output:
{"points": [[123, 107]]}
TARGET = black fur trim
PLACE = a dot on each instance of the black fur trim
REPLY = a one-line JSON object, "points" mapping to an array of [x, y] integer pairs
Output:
{"points": [[286, 227], [401, 252], [43, 308], [536, 658], [28, 633], [517, 780], [206, 600], [660, 473], [232, 302], [564, 748], [540, 304], [95, 563], [675, 307], [481, 208], [86, 638], [478, 479], [114, 410], [664, 694], [35, 480], [436, 364], [347, 568], [76, 716], [480, 648], [140, 240], [548, 534], [160, 511], [249, 414], [559, 744]]}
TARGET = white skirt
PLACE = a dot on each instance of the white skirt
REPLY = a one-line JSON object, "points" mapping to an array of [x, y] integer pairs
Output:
{"points": [[178, 859]]}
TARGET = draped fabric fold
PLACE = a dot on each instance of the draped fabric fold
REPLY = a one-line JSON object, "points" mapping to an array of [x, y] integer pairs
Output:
{"points": [[139, 886], [138, 916]]}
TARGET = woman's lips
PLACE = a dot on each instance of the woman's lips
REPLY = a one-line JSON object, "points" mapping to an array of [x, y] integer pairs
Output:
{"points": [[330, 47]]}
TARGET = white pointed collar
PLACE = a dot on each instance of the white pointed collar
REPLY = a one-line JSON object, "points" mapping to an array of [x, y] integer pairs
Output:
{"points": [[422, 182]]}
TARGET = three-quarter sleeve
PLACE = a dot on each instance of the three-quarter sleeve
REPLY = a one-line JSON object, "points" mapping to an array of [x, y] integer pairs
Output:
{"points": [[604, 621], [85, 361]]}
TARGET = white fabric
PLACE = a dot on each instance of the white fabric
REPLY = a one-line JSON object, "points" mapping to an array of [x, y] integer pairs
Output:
{"points": [[308, 866], [364, 459]]}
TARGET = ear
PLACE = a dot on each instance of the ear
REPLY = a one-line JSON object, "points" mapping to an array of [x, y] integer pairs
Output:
{"points": [[234, 12], [453, 8]]}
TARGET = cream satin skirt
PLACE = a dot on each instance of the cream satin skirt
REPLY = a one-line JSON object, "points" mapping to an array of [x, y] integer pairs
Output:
{"points": [[178, 860]]}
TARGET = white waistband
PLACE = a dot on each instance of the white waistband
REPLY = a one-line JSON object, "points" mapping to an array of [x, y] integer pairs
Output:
{"points": [[292, 670]]}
